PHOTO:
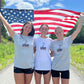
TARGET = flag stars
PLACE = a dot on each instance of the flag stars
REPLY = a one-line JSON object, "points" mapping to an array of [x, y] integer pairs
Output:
{"points": [[1, 9], [28, 18], [11, 11], [8, 13], [12, 21], [17, 14], [14, 13], [5, 12], [20, 12], [30, 15], [5, 16], [8, 17], [30, 11], [23, 14]]}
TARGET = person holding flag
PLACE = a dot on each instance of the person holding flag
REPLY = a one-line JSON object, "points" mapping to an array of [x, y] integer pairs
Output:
{"points": [[61, 52], [24, 60]]}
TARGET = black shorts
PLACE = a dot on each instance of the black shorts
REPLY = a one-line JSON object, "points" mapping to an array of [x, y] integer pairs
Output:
{"points": [[62, 74], [42, 71], [26, 71]]}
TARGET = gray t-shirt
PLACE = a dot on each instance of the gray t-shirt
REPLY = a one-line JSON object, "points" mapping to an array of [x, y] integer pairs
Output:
{"points": [[61, 60], [23, 51]]}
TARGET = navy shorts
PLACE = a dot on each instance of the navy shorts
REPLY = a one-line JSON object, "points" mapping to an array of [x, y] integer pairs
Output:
{"points": [[42, 71], [26, 71], [62, 74]]}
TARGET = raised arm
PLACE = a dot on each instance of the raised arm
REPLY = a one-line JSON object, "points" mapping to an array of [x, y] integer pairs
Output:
{"points": [[9, 28], [76, 32]]}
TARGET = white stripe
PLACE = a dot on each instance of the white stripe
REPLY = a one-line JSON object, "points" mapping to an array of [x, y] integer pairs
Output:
{"points": [[17, 27], [46, 15], [50, 21], [65, 28], [64, 12], [54, 26], [17, 31], [16, 23]]}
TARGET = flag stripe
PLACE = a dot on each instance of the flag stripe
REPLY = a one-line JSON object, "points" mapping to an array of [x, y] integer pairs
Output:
{"points": [[55, 17], [63, 18]]}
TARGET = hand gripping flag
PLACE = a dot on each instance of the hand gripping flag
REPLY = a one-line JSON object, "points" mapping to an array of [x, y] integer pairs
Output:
{"points": [[63, 18]]}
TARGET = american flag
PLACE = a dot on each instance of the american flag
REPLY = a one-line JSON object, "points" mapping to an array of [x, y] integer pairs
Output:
{"points": [[54, 17]]}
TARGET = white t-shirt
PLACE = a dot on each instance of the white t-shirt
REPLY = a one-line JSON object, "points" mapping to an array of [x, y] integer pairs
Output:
{"points": [[42, 54]]}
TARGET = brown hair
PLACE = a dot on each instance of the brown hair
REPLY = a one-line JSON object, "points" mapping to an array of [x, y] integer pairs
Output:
{"points": [[32, 32], [43, 25]]}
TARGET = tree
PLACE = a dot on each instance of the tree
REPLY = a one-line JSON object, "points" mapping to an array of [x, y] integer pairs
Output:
{"points": [[79, 38], [3, 3], [53, 36], [3, 30]]}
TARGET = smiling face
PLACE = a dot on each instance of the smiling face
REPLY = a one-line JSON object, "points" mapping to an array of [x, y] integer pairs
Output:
{"points": [[44, 29], [27, 29], [59, 32]]}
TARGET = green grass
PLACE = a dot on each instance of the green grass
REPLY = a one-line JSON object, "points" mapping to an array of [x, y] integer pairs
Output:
{"points": [[6, 53], [77, 57]]}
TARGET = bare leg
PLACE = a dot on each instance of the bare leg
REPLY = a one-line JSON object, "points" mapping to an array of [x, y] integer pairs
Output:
{"points": [[47, 78], [37, 78], [19, 78], [28, 78], [55, 80], [65, 81]]}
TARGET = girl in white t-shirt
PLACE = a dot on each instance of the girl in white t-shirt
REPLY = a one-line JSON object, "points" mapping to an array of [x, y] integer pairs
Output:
{"points": [[42, 56]]}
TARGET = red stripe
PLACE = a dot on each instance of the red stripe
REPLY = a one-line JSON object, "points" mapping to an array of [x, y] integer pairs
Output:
{"points": [[71, 20], [16, 25], [64, 25], [53, 13]]}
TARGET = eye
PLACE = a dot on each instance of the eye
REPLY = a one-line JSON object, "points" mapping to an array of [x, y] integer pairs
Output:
{"points": [[26, 26], [30, 28]]}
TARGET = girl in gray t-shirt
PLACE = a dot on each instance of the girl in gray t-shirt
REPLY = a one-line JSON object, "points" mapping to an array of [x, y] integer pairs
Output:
{"points": [[60, 48], [24, 61]]}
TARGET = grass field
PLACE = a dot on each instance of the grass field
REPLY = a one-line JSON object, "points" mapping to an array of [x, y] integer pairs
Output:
{"points": [[6, 54], [77, 57]]}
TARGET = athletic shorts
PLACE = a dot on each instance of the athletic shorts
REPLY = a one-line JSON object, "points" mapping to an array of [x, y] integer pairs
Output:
{"points": [[62, 74], [42, 71], [26, 71]]}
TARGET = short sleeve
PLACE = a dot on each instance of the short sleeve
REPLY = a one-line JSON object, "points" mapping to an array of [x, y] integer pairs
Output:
{"points": [[51, 46], [15, 37], [34, 42], [69, 40]]}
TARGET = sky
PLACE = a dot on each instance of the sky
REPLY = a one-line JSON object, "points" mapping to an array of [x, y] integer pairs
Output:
{"points": [[75, 5]]}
